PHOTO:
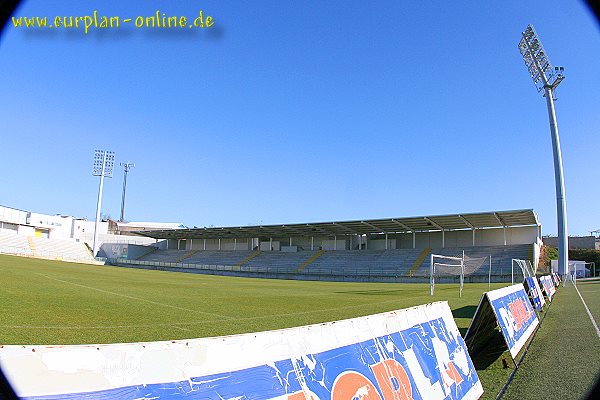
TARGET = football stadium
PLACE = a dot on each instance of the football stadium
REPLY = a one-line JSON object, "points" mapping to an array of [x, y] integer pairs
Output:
{"points": [[404, 252], [278, 291]]}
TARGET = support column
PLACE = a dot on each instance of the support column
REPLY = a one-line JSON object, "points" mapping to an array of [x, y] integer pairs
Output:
{"points": [[414, 240], [473, 237], [270, 244], [386, 241], [334, 242], [312, 243], [234, 243], [204, 245], [443, 239], [219, 243]]}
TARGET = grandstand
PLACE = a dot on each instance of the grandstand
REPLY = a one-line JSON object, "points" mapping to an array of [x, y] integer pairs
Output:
{"points": [[64, 237], [395, 249], [41, 247]]}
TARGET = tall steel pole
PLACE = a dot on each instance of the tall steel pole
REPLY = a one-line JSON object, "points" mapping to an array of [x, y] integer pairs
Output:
{"points": [[103, 166], [547, 79], [126, 166], [99, 205], [561, 203]]}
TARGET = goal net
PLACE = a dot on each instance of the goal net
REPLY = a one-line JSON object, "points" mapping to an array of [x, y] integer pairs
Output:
{"points": [[446, 268], [442, 266]]}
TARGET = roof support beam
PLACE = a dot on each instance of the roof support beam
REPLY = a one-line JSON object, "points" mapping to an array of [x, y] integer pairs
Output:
{"points": [[401, 225], [372, 226], [433, 223], [345, 228]]}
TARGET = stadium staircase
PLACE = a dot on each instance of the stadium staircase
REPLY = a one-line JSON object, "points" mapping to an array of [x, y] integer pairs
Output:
{"points": [[245, 260], [32, 246], [310, 260], [417, 264], [186, 255]]}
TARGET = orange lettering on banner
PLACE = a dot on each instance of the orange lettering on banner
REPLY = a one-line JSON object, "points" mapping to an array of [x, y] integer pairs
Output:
{"points": [[453, 373], [354, 386], [519, 312], [297, 396], [302, 396], [393, 380]]}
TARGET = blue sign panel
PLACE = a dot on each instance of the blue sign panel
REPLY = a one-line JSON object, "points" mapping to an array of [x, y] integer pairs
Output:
{"points": [[427, 360], [548, 286], [556, 279], [514, 315], [535, 292]]}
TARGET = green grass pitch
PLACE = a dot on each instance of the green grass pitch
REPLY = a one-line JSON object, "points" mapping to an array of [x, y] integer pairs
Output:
{"points": [[50, 302]]}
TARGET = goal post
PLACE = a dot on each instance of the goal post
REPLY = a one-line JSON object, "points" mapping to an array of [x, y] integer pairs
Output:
{"points": [[453, 266], [524, 266], [446, 266]]}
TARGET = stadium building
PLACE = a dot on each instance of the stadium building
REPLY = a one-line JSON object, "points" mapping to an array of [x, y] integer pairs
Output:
{"points": [[389, 249], [66, 237]]}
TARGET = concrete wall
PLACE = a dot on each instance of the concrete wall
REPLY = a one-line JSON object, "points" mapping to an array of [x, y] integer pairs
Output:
{"points": [[122, 250], [339, 244], [575, 242], [268, 245], [12, 215], [460, 238]]}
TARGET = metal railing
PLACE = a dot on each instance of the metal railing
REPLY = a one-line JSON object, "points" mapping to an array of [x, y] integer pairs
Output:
{"points": [[314, 273]]}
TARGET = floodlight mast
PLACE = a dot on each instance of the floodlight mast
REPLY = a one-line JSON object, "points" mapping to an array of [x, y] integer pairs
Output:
{"points": [[126, 166], [547, 79], [103, 166]]}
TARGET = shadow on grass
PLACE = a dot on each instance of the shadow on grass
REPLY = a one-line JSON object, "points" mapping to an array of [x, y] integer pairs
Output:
{"points": [[464, 312]]}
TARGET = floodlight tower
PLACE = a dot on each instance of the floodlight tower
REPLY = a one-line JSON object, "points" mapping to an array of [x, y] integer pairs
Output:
{"points": [[126, 167], [546, 79], [104, 162]]}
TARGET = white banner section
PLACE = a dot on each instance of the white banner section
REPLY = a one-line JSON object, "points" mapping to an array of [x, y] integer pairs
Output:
{"points": [[415, 353]]}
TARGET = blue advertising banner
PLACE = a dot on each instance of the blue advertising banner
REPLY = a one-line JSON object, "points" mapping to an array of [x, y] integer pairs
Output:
{"points": [[548, 285], [535, 292], [514, 314], [556, 279], [416, 353], [510, 309]]}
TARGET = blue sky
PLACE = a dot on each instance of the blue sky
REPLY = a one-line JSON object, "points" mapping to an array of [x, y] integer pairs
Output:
{"points": [[301, 111]]}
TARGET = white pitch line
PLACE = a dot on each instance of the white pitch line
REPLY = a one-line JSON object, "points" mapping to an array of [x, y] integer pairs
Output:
{"points": [[139, 299], [589, 313], [190, 323]]}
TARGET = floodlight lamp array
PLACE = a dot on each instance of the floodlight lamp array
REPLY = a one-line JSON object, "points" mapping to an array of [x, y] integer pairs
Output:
{"points": [[109, 163], [536, 59]]}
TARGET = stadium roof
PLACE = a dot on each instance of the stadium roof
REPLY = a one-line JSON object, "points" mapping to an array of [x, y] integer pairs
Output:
{"points": [[492, 219]]}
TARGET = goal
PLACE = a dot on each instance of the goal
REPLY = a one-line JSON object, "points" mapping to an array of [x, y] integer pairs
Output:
{"points": [[446, 266], [452, 268]]}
